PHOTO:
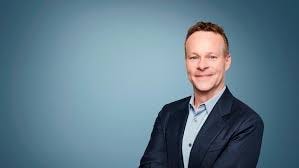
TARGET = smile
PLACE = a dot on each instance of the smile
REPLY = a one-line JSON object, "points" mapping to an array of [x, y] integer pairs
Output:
{"points": [[202, 76]]}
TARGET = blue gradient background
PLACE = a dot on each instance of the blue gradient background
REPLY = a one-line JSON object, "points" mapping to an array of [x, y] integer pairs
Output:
{"points": [[81, 82]]}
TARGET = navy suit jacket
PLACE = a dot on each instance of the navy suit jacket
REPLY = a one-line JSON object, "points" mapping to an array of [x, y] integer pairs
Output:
{"points": [[230, 137]]}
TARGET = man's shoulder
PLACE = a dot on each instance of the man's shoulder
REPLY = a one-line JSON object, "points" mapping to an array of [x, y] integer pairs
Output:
{"points": [[180, 102], [175, 106], [243, 110]]}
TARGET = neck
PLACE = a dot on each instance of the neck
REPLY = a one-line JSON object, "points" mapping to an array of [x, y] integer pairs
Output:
{"points": [[203, 96]]}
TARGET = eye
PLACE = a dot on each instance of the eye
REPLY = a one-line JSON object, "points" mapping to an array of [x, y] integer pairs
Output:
{"points": [[193, 57], [212, 57]]}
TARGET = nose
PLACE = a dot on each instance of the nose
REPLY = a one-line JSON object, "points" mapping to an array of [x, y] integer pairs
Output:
{"points": [[202, 64]]}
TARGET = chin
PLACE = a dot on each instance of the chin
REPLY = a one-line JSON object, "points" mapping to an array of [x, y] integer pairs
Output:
{"points": [[203, 88]]}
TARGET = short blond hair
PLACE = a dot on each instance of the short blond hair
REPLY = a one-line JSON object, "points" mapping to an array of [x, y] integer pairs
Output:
{"points": [[209, 27]]}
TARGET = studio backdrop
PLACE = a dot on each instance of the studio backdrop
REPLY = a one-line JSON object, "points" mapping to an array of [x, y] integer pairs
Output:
{"points": [[81, 82]]}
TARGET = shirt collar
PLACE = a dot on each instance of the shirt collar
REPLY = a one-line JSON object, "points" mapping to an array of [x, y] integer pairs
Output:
{"points": [[208, 105]]}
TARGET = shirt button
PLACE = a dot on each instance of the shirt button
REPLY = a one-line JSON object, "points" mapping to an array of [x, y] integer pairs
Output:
{"points": [[195, 120], [190, 144]]}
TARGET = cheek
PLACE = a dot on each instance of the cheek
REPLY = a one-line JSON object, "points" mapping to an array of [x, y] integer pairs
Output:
{"points": [[220, 67], [220, 72], [189, 73], [189, 68]]}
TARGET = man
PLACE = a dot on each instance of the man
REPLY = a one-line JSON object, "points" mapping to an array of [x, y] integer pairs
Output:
{"points": [[211, 128]]}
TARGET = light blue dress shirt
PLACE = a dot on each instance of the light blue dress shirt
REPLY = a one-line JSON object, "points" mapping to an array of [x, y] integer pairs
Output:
{"points": [[196, 118]]}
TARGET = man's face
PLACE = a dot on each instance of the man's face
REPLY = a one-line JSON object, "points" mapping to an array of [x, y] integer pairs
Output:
{"points": [[206, 61]]}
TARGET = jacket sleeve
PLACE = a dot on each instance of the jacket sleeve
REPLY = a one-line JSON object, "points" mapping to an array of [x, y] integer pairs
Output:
{"points": [[244, 148], [155, 154]]}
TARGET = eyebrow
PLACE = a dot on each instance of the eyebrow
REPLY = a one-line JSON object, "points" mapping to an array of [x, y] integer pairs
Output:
{"points": [[209, 53], [193, 53]]}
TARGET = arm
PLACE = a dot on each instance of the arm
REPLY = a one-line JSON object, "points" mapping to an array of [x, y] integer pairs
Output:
{"points": [[155, 154], [244, 148]]}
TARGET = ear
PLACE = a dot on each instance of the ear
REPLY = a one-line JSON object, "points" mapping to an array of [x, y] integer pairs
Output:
{"points": [[228, 61]]}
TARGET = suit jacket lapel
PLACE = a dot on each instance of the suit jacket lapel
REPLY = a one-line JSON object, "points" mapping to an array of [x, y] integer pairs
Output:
{"points": [[175, 133], [211, 128]]}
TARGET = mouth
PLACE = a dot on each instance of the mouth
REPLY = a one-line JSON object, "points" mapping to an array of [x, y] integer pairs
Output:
{"points": [[203, 76]]}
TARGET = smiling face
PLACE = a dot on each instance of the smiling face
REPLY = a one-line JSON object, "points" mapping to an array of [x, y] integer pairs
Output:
{"points": [[206, 62]]}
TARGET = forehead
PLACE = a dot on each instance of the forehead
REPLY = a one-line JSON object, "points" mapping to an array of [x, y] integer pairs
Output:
{"points": [[205, 41]]}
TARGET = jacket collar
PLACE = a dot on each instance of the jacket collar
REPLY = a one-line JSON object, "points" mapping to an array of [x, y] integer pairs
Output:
{"points": [[211, 128]]}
